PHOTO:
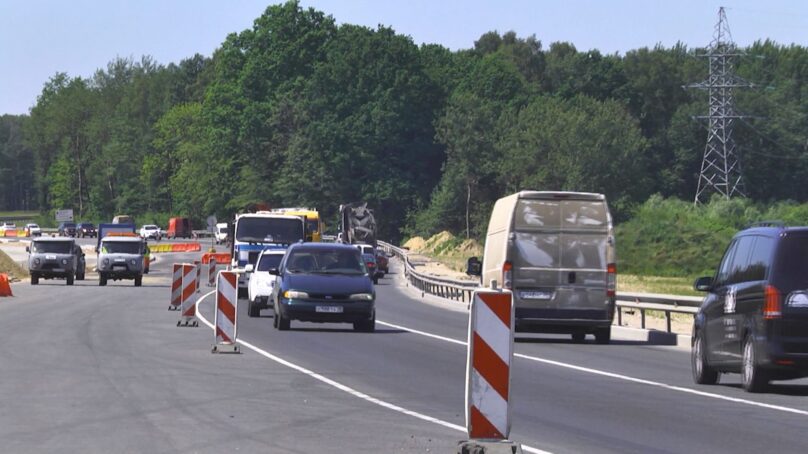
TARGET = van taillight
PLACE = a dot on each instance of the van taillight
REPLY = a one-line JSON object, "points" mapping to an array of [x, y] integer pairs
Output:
{"points": [[772, 306], [611, 279], [507, 275]]}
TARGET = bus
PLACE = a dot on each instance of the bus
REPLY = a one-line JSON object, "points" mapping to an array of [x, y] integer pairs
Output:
{"points": [[314, 226]]}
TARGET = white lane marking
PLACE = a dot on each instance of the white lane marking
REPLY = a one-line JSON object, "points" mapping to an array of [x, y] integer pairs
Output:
{"points": [[614, 375], [345, 388]]}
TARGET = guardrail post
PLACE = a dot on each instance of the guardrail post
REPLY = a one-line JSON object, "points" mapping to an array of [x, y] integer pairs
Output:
{"points": [[668, 319], [642, 318], [619, 316]]}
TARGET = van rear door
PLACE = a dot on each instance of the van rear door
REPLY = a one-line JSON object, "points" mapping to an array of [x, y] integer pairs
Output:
{"points": [[561, 248]]}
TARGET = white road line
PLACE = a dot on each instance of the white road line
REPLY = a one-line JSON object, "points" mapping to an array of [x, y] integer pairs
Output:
{"points": [[614, 375], [345, 388]]}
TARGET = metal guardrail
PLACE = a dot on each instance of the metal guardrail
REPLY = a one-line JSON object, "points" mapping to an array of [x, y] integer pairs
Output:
{"points": [[460, 290]]}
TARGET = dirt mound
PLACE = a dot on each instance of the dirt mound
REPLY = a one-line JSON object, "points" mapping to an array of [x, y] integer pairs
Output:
{"points": [[438, 242], [415, 244], [470, 247]]}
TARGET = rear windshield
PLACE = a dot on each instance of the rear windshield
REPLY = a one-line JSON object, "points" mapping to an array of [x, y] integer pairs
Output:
{"points": [[69, 225], [86, 226], [561, 214], [53, 247], [120, 247], [269, 261], [325, 262], [791, 266], [269, 230], [561, 250]]}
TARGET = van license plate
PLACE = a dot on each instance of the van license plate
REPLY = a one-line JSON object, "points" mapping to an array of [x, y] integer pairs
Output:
{"points": [[535, 295], [329, 309]]}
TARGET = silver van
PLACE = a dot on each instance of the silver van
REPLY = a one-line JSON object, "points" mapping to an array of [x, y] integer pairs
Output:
{"points": [[556, 252]]}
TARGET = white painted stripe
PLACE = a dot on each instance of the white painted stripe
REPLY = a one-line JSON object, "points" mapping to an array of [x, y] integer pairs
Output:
{"points": [[617, 376], [348, 389], [489, 402], [495, 333]]}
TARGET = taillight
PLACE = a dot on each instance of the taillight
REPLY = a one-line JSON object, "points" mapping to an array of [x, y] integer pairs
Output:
{"points": [[772, 306], [611, 279], [507, 275]]}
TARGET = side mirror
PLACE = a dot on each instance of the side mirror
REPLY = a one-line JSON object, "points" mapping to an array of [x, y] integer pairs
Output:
{"points": [[274, 271], [474, 267], [703, 284], [249, 268]]}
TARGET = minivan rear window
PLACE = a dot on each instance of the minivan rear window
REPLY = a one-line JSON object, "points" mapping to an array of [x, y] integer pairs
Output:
{"points": [[791, 267], [561, 214]]}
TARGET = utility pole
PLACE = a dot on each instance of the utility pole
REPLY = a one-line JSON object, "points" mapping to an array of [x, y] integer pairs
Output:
{"points": [[721, 166]]}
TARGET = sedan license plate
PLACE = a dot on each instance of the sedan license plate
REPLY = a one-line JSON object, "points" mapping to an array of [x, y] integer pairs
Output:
{"points": [[535, 295], [329, 309]]}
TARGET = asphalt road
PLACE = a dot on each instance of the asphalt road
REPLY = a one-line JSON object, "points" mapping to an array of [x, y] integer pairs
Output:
{"points": [[105, 369]]}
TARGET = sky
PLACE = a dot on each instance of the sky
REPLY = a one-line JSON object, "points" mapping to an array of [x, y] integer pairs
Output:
{"points": [[39, 38]]}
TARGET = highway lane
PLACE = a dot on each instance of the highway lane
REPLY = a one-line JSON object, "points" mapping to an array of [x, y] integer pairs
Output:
{"points": [[556, 408], [105, 369]]}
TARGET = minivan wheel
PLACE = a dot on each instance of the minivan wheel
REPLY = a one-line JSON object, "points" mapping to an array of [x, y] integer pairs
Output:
{"points": [[603, 335], [102, 280], [578, 336], [70, 280], [366, 326], [703, 374], [283, 322], [138, 281], [34, 279], [754, 377]]}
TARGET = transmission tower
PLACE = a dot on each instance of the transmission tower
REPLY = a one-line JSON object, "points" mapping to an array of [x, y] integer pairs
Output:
{"points": [[721, 165]]}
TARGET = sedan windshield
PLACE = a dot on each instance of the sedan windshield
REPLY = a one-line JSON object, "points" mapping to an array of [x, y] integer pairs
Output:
{"points": [[269, 261], [269, 230], [325, 262], [53, 247], [120, 247]]}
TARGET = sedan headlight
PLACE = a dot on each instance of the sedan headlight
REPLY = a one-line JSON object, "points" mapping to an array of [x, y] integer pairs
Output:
{"points": [[294, 294], [361, 297]]}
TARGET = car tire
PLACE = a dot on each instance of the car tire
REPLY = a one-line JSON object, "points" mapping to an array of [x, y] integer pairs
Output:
{"points": [[754, 378], [375, 280], [578, 336], [138, 281], [703, 374], [34, 279], [274, 318], [366, 326], [102, 280], [283, 323], [603, 335], [252, 309], [70, 280]]}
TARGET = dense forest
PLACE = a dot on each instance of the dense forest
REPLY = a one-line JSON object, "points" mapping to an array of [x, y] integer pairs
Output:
{"points": [[299, 110]]}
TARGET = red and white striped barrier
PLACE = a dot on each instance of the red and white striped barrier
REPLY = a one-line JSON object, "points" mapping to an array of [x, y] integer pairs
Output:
{"points": [[488, 370], [187, 306], [226, 317], [176, 288], [198, 266], [211, 272]]}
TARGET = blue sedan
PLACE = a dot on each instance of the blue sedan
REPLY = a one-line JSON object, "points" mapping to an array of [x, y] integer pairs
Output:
{"points": [[324, 283]]}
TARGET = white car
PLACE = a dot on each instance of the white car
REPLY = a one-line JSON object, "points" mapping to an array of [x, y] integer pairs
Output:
{"points": [[261, 282], [151, 231], [7, 226], [33, 230]]}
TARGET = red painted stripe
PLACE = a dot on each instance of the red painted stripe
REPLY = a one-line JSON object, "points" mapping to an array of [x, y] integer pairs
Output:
{"points": [[488, 364], [226, 307], [223, 336], [481, 427], [500, 304]]}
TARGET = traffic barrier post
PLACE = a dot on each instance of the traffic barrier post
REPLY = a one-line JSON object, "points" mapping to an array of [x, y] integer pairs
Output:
{"points": [[198, 266], [176, 288], [5, 287], [211, 272], [187, 307], [226, 316], [488, 372]]}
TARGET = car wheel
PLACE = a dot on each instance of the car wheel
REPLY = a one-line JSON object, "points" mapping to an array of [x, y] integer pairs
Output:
{"points": [[603, 335], [375, 280], [274, 318], [70, 280], [34, 279], [578, 336], [138, 281], [754, 377], [283, 322], [102, 280], [703, 374], [252, 309], [366, 326]]}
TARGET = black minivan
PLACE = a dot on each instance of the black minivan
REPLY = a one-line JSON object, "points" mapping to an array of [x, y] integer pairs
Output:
{"points": [[754, 319]]}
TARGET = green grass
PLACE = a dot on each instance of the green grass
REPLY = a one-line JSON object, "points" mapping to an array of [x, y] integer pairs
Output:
{"points": [[656, 284], [11, 268], [19, 214]]}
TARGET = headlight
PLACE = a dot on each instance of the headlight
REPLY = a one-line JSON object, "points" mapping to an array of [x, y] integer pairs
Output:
{"points": [[361, 297], [133, 261], [36, 261], [105, 261], [293, 294], [64, 261]]}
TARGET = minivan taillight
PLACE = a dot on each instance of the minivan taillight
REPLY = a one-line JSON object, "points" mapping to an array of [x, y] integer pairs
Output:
{"points": [[611, 280], [507, 275], [772, 305]]}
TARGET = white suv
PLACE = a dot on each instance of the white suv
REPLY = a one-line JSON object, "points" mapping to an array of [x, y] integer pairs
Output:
{"points": [[150, 231]]}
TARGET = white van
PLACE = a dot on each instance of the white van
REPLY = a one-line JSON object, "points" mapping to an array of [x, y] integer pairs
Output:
{"points": [[221, 232], [555, 251]]}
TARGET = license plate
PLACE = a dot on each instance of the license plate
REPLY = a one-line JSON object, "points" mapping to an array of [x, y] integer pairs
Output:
{"points": [[50, 257], [535, 295], [329, 309], [120, 260]]}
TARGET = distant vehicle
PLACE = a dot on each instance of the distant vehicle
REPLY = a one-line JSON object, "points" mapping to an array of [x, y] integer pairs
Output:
{"points": [[382, 261], [254, 232], [67, 229], [314, 227], [121, 257], [261, 282], [357, 224], [179, 227], [754, 318], [323, 283], [556, 252], [86, 230], [7, 226], [372, 266], [32, 230], [123, 219], [151, 231], [53, 258], [221, 232]]}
